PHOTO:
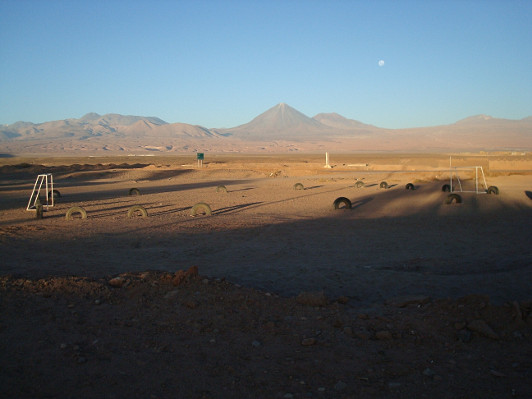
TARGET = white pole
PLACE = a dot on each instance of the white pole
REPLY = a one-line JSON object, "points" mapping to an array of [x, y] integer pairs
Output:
{"points": [[450, 174], [327, 160]]}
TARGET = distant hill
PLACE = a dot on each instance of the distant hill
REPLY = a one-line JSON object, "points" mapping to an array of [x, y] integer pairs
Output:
{"points": [[340, 122], [280, 128], [279, 122]]}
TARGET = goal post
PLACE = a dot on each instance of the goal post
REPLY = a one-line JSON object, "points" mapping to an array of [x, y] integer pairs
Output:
{"points": [[47, 181]]}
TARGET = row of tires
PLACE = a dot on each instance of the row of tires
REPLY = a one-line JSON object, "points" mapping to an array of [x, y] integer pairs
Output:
{"points": [[77, 212], [203, 208], [345, 203]]}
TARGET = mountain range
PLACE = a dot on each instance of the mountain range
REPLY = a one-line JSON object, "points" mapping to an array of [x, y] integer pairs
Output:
{"points": [[281, 128]]}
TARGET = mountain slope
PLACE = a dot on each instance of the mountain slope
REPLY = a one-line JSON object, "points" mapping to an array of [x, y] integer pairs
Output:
{"points": [[280, 128], [279, 122]]}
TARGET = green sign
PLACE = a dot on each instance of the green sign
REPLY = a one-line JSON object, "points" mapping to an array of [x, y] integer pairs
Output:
{"points": [[200, 156]]}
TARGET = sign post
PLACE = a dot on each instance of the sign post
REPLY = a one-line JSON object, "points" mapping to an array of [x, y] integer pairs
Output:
{"points": [[200, 156]]}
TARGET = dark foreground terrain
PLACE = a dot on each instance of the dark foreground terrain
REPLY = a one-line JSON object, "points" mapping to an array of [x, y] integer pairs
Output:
{"points": [[180, 335]]}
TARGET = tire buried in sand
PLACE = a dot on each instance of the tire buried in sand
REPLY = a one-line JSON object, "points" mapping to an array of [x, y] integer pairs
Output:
{"points": [[493, 190], [359, 184], [54, 194], [74, 210], [201, 207], [384, 185], [134, 191], [453, 198], [446, 188], [342, 200], [299, 186], [135, 209], [410, 186], [221, 188]]}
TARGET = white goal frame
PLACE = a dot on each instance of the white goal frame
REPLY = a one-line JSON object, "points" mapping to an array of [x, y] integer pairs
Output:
{"points": [[479, 176], [48, 181]]}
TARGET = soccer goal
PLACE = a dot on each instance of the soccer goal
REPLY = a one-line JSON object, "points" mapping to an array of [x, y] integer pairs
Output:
{"points": [[478, 178], [45, 181]]}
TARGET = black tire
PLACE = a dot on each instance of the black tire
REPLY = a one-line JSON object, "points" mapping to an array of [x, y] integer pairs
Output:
{"points": [[453, 198], [299, 186], [76, 209], [342, 200], [446, 188], [410, 186], [134, 191], [384, 185], [54, 194], [221, 188], [201, 206], [137, 208], [493, 190], [359, 184]]}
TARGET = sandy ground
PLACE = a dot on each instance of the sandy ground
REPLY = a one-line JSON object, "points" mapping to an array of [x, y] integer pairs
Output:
{"points": [[457, 263]]}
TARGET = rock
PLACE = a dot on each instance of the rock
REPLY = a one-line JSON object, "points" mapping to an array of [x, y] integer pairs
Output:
{"points": [[181, 276], [256, 344], [191, 304], [192, 271], [497, 373], [482, 328], [340, 386], [464, 336], [394, 385], [383, 335], [343, 300], [365, 335], [404, 301], [312, 298], [428, 372], [308, 341], [117, 282], [460, 325], [171, 294]]}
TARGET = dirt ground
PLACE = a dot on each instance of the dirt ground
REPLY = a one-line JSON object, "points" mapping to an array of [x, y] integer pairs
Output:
{"points": [[276, 294]]}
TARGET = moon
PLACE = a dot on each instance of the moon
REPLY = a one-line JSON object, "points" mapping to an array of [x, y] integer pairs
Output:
{"points": [[381, 63]]}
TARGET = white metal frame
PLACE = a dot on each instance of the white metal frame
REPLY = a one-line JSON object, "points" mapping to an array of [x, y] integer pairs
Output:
{"points": [[453, 172], [48, 181]]}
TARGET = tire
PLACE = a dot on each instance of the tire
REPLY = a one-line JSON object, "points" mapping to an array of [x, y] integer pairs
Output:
{"points": [[359, 184], [54, 194], [342, 200], [134, 209], [453, 198], [384, 185], [446, 188], [493, 190], [76, 209], [201, 206], [134, 191], [410, 186], [299, 186], [221, 188]]}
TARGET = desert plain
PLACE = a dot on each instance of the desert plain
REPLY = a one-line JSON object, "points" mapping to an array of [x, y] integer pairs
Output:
{"points": [[276, 294]]}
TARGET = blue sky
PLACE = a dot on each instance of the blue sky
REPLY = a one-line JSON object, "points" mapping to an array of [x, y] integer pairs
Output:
{"points": [[221, 63]]}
